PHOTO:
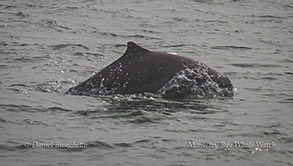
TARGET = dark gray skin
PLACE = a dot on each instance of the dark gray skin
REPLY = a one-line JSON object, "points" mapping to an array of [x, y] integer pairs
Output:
{"points": [[140, 70]]}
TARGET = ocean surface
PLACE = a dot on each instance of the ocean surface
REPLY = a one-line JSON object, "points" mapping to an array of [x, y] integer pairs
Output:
{"points": [[46, 47]]}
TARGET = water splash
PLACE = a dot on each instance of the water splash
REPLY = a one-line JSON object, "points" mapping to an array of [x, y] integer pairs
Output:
{"points": [[193, 82]]}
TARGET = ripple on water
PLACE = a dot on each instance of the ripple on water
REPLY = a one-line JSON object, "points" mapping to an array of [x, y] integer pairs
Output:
{"points": [[254, 65], [62, 46], [99, 144], [240, 48]]}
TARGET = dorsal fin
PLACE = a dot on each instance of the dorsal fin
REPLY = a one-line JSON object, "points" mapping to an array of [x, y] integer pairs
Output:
{"points": [[134, 49]]}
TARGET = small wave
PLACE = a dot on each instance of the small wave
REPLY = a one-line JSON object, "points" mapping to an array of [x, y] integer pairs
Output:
{"points": [[123, 144], [79, 53], [286, 140], [147, 110], [254, 65], [173, 46], [18, 85], [137, 36], [268, 78], [50, 23], [144, 120], [21, 14], [99, 144], [19, 59], [106, 33], [289, 73], [59, 109], [95, 54], [117, 114], [150, 31], [273, 132], [271, 16], [19, 108], [241, 48], [6, 148], [204, 1], [34, 122], [72, 7], [7, 121], [62, 46], [177, 19], [270, 126]]}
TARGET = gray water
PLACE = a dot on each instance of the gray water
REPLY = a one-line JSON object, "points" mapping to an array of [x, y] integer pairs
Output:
{"points": [[49, 46]]}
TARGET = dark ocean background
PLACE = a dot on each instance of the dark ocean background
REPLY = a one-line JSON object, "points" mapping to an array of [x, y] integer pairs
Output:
{"points": [[46, 47]]}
